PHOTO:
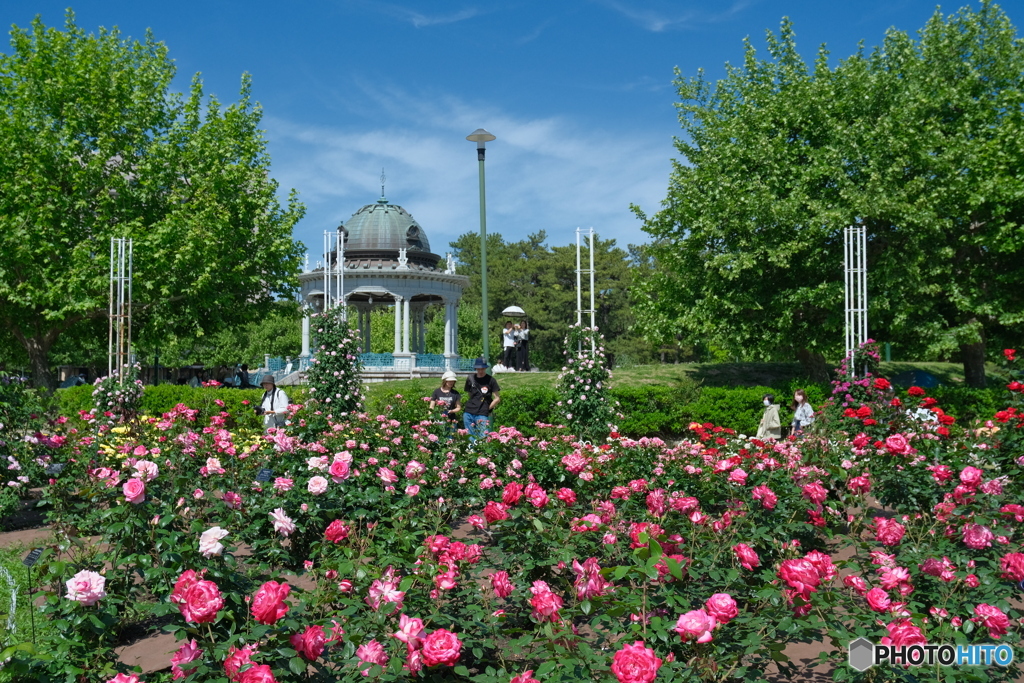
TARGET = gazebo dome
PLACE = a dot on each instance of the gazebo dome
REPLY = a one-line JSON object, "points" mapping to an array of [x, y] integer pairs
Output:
{"points": [[378, 231]]}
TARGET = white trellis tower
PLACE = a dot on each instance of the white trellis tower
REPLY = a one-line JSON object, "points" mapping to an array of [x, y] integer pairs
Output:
{"points": [[119, 310], [579, 285], [855, 258]]}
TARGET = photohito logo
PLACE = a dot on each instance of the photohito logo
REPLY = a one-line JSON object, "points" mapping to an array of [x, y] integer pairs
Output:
{"points": [[863, 654]]}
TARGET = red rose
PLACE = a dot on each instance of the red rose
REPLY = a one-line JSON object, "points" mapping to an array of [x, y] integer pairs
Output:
{"points": [[310, 643], [513, 492], [268, 604], [337, 531], [993, 618], [441, 647], [882, 384], [1010, 354], [746, 555], [494, 512], [635, 664], [888, 531], [903, 632], [915, 391], [801, 575]]}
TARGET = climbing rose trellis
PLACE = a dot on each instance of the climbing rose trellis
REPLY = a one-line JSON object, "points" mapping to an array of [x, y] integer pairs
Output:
{"points": [[335, 384]]}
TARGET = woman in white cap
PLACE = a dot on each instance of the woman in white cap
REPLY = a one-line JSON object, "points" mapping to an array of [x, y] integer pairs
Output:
{"points": [[274, 406], [446, 398]]}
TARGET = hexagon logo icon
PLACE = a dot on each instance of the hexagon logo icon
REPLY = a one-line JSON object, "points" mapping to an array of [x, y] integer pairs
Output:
{"points": [[861, 654]]}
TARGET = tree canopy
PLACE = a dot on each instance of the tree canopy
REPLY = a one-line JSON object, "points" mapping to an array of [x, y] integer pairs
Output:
{"points": [[542, 280], [921, 141], [95, 144]]}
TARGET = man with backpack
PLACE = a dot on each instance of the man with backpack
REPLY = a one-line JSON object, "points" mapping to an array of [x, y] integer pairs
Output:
{"points": [[483, 397]]}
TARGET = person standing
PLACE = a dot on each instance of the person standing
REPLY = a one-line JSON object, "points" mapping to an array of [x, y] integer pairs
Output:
{"points": [[523, 347], [803, 413], [446, 398], [483, 396], [771, 425], [274, 406], [508, 342]]}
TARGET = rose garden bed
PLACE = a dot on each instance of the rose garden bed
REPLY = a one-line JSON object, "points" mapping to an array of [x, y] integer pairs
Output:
{"points": [[627, 559]]}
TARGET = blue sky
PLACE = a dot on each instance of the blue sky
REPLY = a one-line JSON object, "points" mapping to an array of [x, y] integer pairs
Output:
{"points": [[578, 92]]}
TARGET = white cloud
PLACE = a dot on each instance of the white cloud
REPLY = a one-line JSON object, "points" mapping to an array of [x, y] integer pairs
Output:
{"points": [[662, 16], [416, 18], [548, 174]]}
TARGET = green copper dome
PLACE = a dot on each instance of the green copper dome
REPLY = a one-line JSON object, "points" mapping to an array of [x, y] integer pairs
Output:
{"points": [[378, 231]]}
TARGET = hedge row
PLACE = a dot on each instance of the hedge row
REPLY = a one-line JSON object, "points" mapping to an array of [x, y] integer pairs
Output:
{"points": [[647, 409]]}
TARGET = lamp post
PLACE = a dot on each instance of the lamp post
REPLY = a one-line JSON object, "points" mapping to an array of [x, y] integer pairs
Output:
{"points": [[481, 137]]}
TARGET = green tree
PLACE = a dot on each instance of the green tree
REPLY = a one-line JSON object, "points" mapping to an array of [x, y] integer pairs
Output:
{"points": [[542, 280], [921, 142], [94, 145]]}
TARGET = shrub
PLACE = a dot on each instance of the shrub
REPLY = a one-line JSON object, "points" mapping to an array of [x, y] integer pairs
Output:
{"points": [[583, 384], [524, 408], [739, 408], [656, 409], [334, 374]]}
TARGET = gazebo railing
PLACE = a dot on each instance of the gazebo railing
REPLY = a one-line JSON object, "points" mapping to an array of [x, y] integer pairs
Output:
{"points": [[432, 361], [377, 360], [465, 364]]}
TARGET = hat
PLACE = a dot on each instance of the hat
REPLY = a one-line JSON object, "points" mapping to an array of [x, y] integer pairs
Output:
{"points": [[268, 379], [479, 363], [449, 377]]}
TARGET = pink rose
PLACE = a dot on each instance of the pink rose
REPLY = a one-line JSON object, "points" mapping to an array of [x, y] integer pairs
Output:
{"points": [[494, 512], [125, 678], [337, 531], [888, 531], [339, 470], [233, 500], [544, 602], [738, 476], [501, 585], [903, 632], [236, 660], [282, 522], [86, 587], [816, 493], [856, 583], [201, 602], [567, 496], [977, 536], [801, 575], [823, 563], [696, 625], [512, 494], [386, 475], [134, 491], [746, 555], [258, 673], [210, 541], [878, 600], [525, 677], [410, 631], [971, 476], [858, 485], [310, 643], [316, 485], [442, 647], [896, 444], [268, 604], [1012, 565], [634, 664], [722, 607], [188, 652], [766, 496], [993, 619], [411, 490], [372, 653]]}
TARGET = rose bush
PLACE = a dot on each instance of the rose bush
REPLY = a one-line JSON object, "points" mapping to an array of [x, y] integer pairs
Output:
{"points": [[385, 546]]}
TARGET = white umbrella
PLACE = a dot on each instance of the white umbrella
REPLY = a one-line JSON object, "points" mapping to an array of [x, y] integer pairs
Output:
{"points": [[514, 312]]}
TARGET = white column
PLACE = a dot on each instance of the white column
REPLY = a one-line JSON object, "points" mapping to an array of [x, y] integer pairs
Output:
{"points": [[305, 335], [398, 324], [421, 323], [455, 328], [405, 326], [447, 329]]}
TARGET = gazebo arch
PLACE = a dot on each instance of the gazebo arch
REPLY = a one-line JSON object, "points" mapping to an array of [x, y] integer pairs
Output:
{"points": [[388, 263]]}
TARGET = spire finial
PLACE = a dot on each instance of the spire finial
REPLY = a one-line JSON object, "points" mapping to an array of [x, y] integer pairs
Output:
{"points": [[383, 179]]}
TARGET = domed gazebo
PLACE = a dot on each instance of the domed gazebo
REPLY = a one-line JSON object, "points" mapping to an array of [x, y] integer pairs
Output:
{"points": [[388, 263]]}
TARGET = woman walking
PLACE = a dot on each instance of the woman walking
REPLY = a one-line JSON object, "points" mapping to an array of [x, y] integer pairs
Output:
{"points": [[803, 413]]}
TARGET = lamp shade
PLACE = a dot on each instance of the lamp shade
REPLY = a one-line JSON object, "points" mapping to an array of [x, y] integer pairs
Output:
{"points": [[480, 135]]}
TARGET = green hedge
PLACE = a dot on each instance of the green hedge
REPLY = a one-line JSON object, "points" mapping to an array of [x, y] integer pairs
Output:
{"points": [[648, 409]]}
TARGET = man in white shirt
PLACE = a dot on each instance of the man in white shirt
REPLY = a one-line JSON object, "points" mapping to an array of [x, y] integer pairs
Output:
{"points": [[274, 406]]}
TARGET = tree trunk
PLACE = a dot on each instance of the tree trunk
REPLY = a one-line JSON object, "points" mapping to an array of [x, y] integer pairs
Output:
{"points": [[814, 365], [38, 349], [973, 356]]}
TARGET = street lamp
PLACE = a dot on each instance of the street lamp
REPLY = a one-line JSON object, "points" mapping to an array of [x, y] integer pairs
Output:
{"points": [[481, 137]]}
